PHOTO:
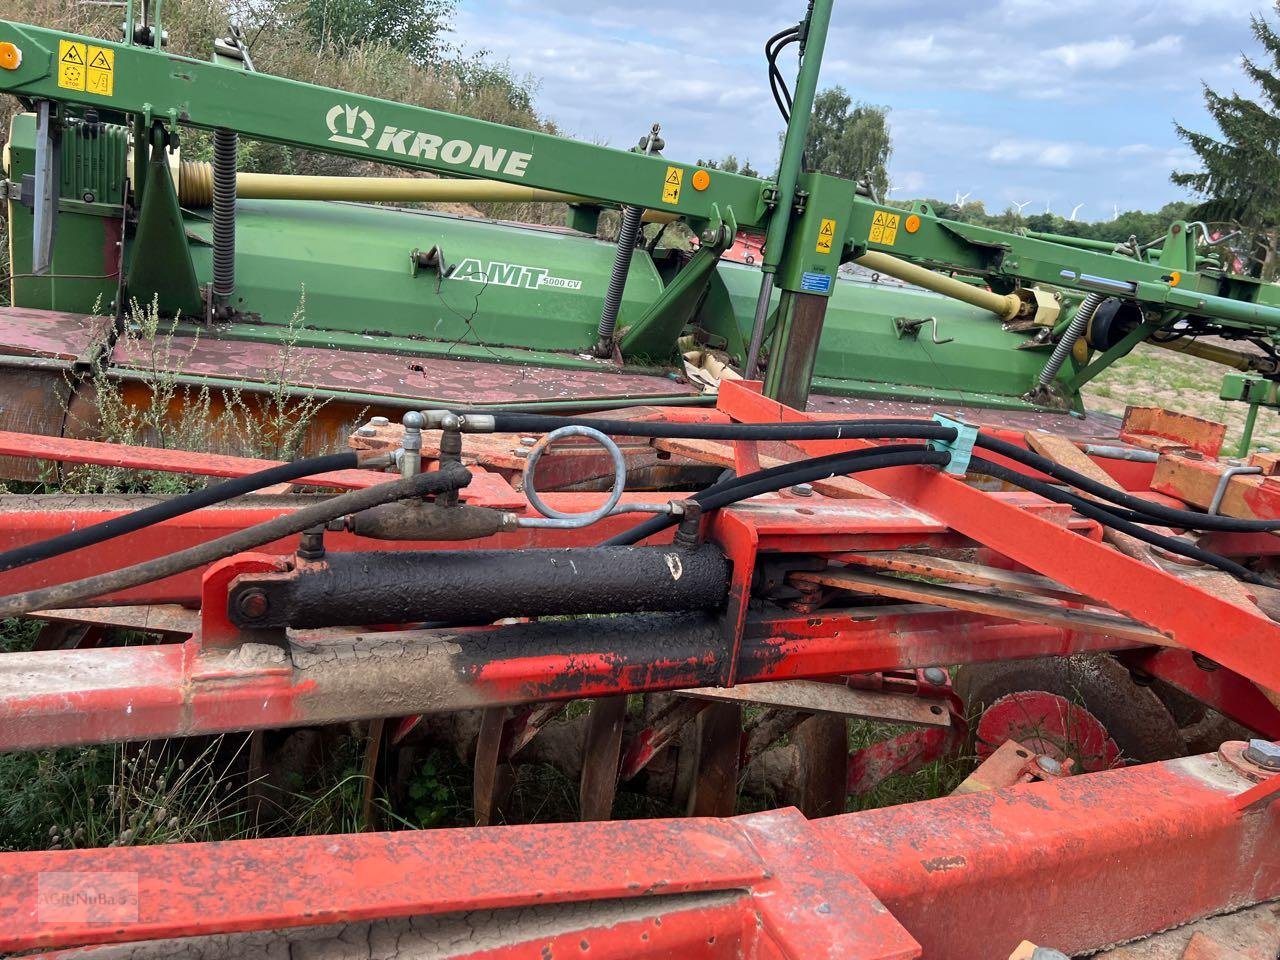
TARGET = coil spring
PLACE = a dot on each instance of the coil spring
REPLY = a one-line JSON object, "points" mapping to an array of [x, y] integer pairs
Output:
{"points": [[627, 234], [225, 148], [1075, 330]]}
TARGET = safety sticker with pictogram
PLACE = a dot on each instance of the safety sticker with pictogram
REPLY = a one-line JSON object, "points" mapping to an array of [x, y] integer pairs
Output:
{"points": [[671, 185], [72, 64], [884, 228], [102, 71], [826, 235]]}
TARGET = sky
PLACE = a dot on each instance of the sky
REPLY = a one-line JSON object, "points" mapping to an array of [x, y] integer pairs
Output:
{"points": [[1051, 103]]}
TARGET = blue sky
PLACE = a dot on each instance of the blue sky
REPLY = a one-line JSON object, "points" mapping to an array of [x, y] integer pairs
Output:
{"points": [[1055, 102]]}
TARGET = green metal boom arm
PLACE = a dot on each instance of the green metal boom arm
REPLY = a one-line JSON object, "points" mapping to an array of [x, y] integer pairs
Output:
{"points": [[176, 90]]}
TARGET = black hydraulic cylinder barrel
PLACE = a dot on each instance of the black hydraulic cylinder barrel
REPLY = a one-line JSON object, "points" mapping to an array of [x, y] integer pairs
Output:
{"points": [[480, 586]]}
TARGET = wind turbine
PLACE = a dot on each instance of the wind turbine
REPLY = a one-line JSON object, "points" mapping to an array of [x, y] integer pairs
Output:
{"points": [[961, 198], [1021, 206], [1048, 207], [1115, 212], [1074, 211]]}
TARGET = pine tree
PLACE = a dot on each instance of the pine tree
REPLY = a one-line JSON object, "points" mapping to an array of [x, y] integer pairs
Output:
{"points": [[1240, 178]]}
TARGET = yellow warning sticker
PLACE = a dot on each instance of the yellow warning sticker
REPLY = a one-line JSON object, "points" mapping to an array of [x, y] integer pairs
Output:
{"points": [[884, 228], [826, 235], [102, 71], [72, 64], [671, 186]]}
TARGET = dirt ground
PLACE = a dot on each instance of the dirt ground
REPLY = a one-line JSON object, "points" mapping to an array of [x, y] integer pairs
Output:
{"points": [[1252, 934], [1151, 376]]}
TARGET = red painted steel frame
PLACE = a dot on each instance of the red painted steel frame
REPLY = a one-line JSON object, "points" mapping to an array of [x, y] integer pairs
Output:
{"points": [[64, 697], [1244, 640], [1076, 863]]}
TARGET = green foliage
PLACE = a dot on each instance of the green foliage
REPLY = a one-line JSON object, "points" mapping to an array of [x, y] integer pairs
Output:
{"points": [[730, 164], [109, 796], [439, 792], [849, 139], [416, 29], [1240, 165], [1132, 223]]}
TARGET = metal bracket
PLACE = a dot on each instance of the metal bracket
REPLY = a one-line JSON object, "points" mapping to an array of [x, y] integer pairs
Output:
{"points": [[431, 259], [44, 195], [961, 448], [910, 329]]}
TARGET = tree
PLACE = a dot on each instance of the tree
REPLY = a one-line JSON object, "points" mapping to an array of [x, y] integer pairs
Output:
{"points": [[417, 28], [1240, 175], [730, 165], [849, 139]]}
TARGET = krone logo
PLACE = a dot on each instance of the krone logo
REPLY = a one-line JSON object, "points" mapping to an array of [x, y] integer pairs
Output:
{"points": [[350, 125]]}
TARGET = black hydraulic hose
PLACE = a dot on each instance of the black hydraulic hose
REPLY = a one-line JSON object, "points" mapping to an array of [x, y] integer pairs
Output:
{"points": [[1170, 516], [175, 507], [809, 430], [735, 489], [451, 477], [1097, 512]]}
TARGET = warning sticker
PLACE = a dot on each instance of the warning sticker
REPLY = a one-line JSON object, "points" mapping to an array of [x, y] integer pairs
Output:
{"points": [[102, 71], [671, 186], [826, 234], [72, 60], [884, 228]]}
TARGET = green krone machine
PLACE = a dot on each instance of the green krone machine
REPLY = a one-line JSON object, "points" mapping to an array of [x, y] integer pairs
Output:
{"points": [[390, 308]]}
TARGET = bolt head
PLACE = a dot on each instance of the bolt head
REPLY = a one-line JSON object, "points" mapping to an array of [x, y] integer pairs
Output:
{"points": [[803, 490], [528, 441], [520, 452], [253, 604], [1049, 765], [379, 421], [1264, 753], [935, 675], [367, 432]]}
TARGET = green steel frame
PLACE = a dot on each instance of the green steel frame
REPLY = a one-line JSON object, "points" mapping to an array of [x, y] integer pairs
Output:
{"points": [[812, 222]]}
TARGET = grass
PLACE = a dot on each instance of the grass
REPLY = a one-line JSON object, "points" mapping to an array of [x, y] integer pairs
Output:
{"points": [[1151, 376]]}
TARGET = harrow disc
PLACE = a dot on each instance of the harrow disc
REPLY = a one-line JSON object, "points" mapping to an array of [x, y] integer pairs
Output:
{"points": [[1085, 707]]}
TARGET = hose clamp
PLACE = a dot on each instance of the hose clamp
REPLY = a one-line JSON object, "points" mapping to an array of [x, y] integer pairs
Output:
{"points": [[961, 448]]}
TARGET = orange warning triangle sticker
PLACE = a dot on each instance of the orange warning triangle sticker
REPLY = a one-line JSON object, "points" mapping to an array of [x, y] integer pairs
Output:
{"points": [[72, 55], [100, 62]]}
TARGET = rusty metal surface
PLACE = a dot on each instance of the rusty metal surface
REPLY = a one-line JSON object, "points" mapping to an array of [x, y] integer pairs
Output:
{"points": [[822, 749], [958, 571], [52, 334], [600, 759], [166, 618], [1195, 480], [396, 375], [992, 604], [810, 696], [1093, 426], [1006, 765], [719, 751], [1160, 429]]}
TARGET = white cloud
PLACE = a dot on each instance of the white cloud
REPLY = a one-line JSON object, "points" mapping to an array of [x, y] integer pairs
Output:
{"points": [[1015, 98], [1114, 52]]}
